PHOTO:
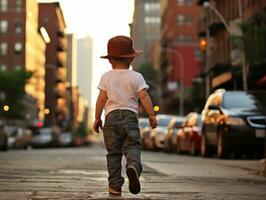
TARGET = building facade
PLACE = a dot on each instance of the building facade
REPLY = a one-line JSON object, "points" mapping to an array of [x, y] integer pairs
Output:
{"points": [[22, 46], [180, 59], [72, 94], [51, 17], [145, 29], [85, 72], [226, 66]]}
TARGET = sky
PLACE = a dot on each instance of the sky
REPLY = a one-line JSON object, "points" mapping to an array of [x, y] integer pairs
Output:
{"points": [[101, 20]]}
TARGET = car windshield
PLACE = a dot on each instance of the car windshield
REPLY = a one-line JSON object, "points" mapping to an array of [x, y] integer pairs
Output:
{"points": [[144, 123], [164, 121], [244, 100], [199, 122], [178, 123], [45, 131]]}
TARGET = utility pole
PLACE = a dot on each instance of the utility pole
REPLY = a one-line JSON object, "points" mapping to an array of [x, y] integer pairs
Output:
{"points": [[207, 81]]}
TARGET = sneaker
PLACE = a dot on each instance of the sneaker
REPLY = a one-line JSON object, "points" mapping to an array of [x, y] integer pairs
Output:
{"points": [[133, 178], [114, 192]]}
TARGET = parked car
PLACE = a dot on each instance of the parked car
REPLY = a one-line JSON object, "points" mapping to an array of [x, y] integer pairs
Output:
{"points": [[11, 132], [46, 137], [157, 134], [3, 137], [146, 140], [22, 138], [143, 125], [66, 139], [170, 138], [189, 136], [234, 122]]}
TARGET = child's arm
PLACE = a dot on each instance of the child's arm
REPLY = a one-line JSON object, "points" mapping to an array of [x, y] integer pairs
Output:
{"points": [[101, 100], [147, 104]]}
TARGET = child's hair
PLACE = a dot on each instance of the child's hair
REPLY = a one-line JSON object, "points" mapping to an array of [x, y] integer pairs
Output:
{"points": [[125, 60]]}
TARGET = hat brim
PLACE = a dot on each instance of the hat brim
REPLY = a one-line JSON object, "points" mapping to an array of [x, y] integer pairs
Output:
{"points": [[132, 55]]}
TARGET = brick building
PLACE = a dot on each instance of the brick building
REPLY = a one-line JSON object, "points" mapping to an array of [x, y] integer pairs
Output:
{"points": [[22, 46], [51, 17], [180, 59], [225, 64]]}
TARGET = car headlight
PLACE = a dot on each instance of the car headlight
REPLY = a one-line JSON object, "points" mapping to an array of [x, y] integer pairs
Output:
{"points": [[235, 121]]}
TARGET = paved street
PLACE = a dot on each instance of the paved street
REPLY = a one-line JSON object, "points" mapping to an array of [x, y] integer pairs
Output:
{"points": [[80, 173]]}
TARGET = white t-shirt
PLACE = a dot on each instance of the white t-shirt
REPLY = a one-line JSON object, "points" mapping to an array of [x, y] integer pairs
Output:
{"points": [[122, 87]]}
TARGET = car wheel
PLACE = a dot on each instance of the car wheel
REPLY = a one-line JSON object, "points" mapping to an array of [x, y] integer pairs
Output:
{"points": [[4, 145], [222, 148], [166, 146], [192, 149], [144, 143], [153, 144], [178, 147], [204, 148]]}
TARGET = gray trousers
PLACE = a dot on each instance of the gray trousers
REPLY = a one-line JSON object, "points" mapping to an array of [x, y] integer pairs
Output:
{"points": [[121, 137]]}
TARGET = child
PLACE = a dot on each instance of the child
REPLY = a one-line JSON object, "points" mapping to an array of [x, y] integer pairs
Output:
{"points": [[118, 96]]}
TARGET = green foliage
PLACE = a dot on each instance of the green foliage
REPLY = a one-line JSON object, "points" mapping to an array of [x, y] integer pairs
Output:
{"points": [[149, 73], [82, 130], [12, 90], [253, 41]]}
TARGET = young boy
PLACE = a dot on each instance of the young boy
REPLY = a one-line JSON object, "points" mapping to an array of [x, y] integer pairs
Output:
{"points": [[120, 89]]}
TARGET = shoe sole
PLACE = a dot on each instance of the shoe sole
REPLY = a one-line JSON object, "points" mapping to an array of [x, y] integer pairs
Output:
{"points": [[113, 192], [134, 185]]}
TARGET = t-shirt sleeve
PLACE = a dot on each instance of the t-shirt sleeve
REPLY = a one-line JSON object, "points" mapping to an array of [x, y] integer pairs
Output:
{"points": [[102, 84], [141, 83]]}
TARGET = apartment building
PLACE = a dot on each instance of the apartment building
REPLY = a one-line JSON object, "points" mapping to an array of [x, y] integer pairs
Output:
{"points": [[22, 46]]}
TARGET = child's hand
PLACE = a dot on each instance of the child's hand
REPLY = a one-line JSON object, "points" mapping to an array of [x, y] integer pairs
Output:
{"points": [[153, 121], [97, 124]]}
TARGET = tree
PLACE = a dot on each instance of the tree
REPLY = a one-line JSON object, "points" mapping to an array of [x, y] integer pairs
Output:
{"points": [[253, 40], [151, 77], [149, 73], [82, 130], [12, 91]]}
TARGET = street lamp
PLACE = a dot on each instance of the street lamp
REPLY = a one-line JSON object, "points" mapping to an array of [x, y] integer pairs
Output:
{"points": [[6, 108], [207, 4], [181, 77]]}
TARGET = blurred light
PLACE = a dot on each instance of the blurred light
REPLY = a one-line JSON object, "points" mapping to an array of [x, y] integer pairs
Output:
{"points": [[6, 108], [45, 35], [156, 108], [39, 124], [203, 44], [46, 111], [206, 4]]}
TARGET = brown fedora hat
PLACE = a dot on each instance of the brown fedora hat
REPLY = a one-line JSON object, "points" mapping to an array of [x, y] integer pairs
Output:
{"points": [[121, 46]]}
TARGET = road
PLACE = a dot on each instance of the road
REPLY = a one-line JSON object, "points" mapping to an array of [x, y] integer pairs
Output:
{"points": [[80, 173]]}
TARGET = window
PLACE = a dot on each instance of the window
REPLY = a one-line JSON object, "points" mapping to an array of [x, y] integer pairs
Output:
{"points": [[18, 5], [152, 20], [3, 67], [147, 7], [184, 2], [189, 39], [150, 7], [3, 26], [17, 67], [189, 2], [3, 5], [198, 54], [3, 48], [181, 38], [18, 48], [189, 20], [180, 2], [180, 19], [18, 28]]}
